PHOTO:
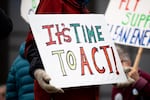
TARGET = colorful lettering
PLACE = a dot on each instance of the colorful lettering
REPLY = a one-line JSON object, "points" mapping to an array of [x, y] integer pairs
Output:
{"points": [[136, 20], [127, 2], [84, 62], [59, 53], [94, 50], [130, 35], [71, 60]]}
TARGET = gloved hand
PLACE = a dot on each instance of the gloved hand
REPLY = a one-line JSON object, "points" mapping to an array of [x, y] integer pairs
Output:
{"points": [[43, 79], [129, 79]]}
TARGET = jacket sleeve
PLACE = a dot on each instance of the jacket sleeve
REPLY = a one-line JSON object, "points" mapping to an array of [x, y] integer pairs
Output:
{"points": [[143, 84], [33, 57], [11, 90]]}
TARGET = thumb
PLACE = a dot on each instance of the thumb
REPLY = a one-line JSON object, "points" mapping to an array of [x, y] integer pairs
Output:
{"points": [[46, 78], [126, 69], [131, 80]]}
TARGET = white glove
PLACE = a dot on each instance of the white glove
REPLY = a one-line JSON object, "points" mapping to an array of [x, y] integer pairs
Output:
{"points": [[129, 79], [43, 79]]}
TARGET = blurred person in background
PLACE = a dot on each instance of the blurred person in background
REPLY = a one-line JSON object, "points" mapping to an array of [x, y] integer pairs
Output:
{"points": [[6, 25], [138, 85], [42, 88], [2, 92], [20, 85]]}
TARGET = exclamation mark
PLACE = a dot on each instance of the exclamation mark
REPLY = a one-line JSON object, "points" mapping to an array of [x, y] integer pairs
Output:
{"points": [[117, 72]]}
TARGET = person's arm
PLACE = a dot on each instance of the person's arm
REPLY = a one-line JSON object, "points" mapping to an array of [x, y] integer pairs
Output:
{"points": [[37, 70], [11, 86], [36, 67], [33, 57], [6, 25]]}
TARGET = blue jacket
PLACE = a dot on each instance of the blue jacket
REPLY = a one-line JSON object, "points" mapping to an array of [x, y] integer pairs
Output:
{"points": [[19, 83]]}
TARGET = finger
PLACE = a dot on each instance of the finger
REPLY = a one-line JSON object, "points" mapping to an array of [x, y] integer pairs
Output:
{"points": [[132, 72], [60, 90], [127, 69], [53, 89], [131, 80], [46, 78]]}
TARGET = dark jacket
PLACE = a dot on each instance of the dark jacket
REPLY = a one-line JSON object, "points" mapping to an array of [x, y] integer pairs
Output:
{"points": [[32, 54], [138, 91], [19, 83], [6, 25]]}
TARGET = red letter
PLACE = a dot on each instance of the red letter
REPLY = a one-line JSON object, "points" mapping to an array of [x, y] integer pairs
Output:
{"points": [[93, 57], [137, 1], [107, 57], [117, 72], [48, 27], [121, 3], [84, 61], [59, 33], [127, 5]]}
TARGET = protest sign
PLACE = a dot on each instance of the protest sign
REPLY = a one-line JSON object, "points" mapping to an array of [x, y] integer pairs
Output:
{"points": [[76, 49], [129, 22]]}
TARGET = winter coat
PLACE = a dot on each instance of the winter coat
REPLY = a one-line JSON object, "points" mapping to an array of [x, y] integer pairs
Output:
{"points": [[6, 25], [19, 83], [32, 54], [138, 91]]}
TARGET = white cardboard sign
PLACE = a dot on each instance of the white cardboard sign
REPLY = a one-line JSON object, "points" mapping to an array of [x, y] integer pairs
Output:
{"points": [[129, 22], [28, 7], [76, 50]]}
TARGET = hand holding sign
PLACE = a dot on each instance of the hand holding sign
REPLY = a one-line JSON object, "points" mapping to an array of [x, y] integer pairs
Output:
{"points": [[43, 79], [134, 71]]}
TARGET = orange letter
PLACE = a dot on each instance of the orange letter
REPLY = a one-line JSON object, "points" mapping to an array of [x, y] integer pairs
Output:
{"points": [[84, 61], [48, 27], [107, 57], [94, 50]]}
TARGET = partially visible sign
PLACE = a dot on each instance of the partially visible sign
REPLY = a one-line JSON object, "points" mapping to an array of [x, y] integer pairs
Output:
{"points": [[76, 49], [129, 22], [28, 7]]}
